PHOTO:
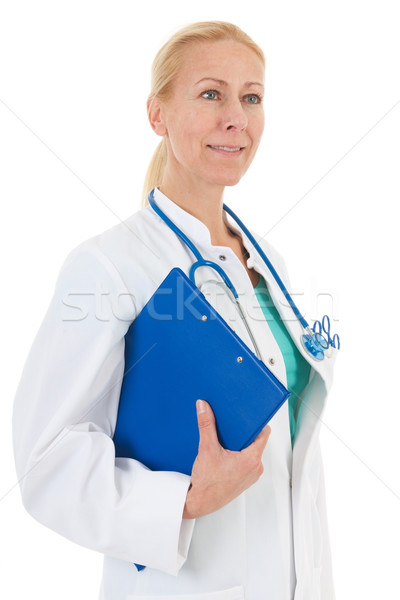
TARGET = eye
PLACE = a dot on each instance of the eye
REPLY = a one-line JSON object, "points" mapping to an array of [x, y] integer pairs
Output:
{"points": [[211, 94], [254, 99]]}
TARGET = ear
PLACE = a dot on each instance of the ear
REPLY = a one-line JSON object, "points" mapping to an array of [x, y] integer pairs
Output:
{"points": [[156, 116]]}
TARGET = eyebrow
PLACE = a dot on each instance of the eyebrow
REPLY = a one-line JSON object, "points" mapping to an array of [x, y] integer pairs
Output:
{"points": [[222, 82]]}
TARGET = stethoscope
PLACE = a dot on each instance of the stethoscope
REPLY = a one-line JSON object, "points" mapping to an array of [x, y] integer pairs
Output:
{"points": [[313, 341]]}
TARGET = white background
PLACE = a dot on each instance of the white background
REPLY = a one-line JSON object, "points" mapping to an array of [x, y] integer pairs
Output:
{"points": [[74, 146]]}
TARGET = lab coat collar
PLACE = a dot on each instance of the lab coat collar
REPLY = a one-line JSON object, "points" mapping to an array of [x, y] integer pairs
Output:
{"points": [[195, 229], [199, 233]]}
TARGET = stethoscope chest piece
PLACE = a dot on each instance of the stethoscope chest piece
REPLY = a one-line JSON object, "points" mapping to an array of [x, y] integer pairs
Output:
{"points": [[311, 345]]}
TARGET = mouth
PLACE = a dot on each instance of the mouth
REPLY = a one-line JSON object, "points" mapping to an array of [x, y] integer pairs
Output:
{"points": [[234, 150]]}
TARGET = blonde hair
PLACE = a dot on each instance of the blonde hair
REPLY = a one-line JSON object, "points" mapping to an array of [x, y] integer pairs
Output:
{"points": [[166, 66]]}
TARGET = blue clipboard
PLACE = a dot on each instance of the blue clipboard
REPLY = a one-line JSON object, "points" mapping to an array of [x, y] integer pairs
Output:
{"points": [[177, 350]]}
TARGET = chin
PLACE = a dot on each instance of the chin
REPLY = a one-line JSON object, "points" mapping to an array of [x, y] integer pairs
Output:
{"points": [[227, 179]]}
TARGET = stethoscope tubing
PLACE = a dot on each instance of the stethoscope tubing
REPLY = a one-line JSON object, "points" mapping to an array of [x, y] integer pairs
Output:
{"points": [[315, 346]]}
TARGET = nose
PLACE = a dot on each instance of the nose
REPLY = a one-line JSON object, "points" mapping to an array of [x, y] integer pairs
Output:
{"points": [[235, 117]]}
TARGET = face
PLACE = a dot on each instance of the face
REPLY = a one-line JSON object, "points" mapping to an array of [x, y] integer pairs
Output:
{"points": [[214, 119]]}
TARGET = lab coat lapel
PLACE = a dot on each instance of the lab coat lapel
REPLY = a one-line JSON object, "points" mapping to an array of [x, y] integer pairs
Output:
{"points": [[312, 405], [291, 322]]}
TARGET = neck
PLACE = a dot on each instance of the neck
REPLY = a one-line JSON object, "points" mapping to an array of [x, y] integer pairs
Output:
{"points": [[202, 200]]}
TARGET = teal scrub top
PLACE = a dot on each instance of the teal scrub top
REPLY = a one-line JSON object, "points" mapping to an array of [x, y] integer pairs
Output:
{"points": [[297, 368]]}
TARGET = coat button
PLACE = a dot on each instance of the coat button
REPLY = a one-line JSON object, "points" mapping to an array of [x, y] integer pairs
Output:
{"points": [[271, 361], [222, 257]]}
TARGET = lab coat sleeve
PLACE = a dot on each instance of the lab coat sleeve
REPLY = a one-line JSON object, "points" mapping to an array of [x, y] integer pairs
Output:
{"points": [[64, 417]]}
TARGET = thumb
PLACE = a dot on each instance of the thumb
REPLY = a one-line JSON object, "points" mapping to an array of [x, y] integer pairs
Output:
{"points": [[206, 423]]}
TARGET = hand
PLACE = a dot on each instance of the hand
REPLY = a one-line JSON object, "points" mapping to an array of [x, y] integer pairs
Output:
{"points": [[220, 475]]}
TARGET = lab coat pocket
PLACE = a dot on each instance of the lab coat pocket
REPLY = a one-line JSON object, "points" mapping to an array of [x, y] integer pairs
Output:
{"points": [[235, 593]]}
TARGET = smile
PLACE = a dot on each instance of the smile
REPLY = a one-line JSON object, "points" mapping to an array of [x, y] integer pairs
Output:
{"points": [[227, 148], [227, 151]]}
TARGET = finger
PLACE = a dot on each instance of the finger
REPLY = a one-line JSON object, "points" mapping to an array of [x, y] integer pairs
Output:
{"points": [[206, 423], [259, 442]]}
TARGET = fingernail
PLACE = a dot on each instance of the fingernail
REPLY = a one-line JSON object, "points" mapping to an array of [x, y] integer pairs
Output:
{"points": [[201, 407]]}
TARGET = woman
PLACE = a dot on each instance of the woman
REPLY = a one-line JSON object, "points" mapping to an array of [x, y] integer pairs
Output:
{"points": [[248, 524]]}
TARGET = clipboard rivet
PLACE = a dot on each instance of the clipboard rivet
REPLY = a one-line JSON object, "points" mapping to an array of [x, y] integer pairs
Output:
{"points": [[271, 361], [204, 318], [239, 359]]}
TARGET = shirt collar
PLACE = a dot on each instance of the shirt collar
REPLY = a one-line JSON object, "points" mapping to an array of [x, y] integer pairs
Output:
{"points": [[195, 229]]}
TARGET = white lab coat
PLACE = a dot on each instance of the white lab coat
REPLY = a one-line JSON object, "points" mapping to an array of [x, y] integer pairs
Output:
{"points": [[270, 542]]}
